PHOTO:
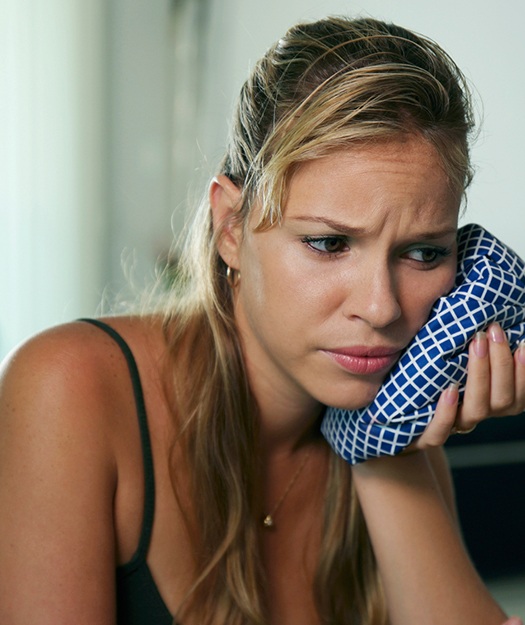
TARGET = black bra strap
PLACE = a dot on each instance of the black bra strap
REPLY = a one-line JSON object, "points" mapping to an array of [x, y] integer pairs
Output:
{"points": [[149, 477]]}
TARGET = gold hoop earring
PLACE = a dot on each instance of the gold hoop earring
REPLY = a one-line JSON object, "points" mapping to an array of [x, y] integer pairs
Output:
{"points": [[232, 276]]}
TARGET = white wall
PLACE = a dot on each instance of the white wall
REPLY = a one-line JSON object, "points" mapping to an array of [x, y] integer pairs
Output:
{"points": [[52, 217], [139, 138]]}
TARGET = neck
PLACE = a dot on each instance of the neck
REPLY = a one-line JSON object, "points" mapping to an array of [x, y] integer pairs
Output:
{"points": [[286, 426], [288, 414]]}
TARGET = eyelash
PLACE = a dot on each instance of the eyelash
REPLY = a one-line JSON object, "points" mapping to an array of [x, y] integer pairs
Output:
{"points": [[438, 254], [343, 246], [341, 241]]}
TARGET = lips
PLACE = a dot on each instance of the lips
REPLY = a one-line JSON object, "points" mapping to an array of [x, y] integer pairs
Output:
{"points": [[365, 360]]}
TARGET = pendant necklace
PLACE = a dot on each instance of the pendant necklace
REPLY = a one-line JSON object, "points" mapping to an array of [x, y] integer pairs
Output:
{"points": [[268, 521]]}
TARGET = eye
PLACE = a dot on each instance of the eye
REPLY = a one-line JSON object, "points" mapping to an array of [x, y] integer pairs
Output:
{"points": [[327, 245], [428, 255]]}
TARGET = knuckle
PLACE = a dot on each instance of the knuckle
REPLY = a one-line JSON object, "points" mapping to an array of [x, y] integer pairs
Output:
{"points": [[520, 403], [504, 403], [477, 415], [504, 369], [511, 411], [477, 407], [478, 418]]}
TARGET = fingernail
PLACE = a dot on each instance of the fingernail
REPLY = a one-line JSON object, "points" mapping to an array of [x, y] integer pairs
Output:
{"points": [[480, 345], [451, 394], [521, 352], [496, 334]]}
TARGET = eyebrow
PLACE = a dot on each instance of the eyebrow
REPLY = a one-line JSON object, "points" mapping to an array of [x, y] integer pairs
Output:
{"points": [[356, 231]]}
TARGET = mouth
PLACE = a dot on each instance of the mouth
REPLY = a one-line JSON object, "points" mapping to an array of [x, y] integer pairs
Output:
{"points": [[365, 360]]}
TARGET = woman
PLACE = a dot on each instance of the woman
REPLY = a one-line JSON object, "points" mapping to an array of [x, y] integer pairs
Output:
{"points": [[329, 233]]}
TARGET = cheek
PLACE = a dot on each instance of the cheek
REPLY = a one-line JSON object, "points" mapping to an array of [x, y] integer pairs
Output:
{"points": [[270, 287], [277, 271], [420, 299]]}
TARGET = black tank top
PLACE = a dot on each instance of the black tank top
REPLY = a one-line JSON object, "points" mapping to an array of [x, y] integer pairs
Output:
{"points": [[138, 599]]}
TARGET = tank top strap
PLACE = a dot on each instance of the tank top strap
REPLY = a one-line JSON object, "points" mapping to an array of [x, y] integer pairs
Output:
{"points": [[147, 456]]}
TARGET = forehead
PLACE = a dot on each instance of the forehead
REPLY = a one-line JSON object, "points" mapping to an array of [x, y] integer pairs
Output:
{"points": [[384, 177]]}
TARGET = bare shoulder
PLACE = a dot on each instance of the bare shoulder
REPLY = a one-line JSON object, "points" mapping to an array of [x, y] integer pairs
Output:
{"points": [[64, 403], [72, 383], [74, 362], [58, 369], [58, 391]]}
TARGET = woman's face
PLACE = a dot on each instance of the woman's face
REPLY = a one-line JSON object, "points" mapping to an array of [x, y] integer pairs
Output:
{"points": [[329, 298]]}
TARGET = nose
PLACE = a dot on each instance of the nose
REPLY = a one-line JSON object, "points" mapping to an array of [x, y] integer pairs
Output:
{"points": [[374, 298]]}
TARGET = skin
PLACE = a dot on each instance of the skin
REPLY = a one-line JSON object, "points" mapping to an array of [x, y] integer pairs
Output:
{"points": [[365, 247], [71, 490]]}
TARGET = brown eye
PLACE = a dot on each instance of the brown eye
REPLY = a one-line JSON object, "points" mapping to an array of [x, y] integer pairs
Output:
{"points": [[327, 245], [427, 255], [424, 255]]}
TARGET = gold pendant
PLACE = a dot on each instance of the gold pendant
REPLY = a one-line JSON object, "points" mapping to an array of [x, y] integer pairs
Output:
{"points": [[268, 521]]}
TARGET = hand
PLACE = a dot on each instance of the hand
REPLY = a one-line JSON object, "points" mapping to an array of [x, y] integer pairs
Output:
{"points": [[495, 388]]}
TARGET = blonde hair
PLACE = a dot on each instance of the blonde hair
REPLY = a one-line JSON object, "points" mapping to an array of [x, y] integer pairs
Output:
{"points": [[324, 86]]}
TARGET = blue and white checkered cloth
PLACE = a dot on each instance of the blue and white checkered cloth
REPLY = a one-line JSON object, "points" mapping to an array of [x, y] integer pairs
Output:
{"points": [[489, 286]]}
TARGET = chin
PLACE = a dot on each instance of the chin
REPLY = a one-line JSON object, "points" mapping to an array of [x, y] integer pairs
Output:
{"points": [[353, 400]]}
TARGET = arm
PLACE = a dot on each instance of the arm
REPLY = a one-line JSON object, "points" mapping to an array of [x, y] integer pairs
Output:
{"points": [[427, 576], [57, 482], [407, 502], [440, 467]]}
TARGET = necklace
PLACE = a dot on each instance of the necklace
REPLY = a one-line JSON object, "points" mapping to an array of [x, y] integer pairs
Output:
{"points": [[268, 521]]}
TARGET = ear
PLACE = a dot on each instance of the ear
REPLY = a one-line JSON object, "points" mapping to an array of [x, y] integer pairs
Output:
{"points": [[225, 202]]}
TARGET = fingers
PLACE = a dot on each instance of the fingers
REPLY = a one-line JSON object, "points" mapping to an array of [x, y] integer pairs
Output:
{"points": [[495, 386], [477, 396], [438, 430], [519, 377], [496, 379], [502, 380], [445, 416]]}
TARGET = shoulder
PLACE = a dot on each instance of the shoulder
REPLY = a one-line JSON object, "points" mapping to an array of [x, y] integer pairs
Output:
{"points": [[77, 353], [71, 376], [64, 362], [52, 389], [62, 394]]}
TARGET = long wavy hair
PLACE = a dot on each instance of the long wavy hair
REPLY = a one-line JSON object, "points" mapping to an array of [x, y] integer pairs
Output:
{"points": [[326, 85]]}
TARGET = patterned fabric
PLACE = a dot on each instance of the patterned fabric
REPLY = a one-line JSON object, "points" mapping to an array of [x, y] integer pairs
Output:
{"points": [[489, 286]]}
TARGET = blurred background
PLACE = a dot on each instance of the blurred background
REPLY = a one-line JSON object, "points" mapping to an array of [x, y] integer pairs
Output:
{"points": [[113, 117]]}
